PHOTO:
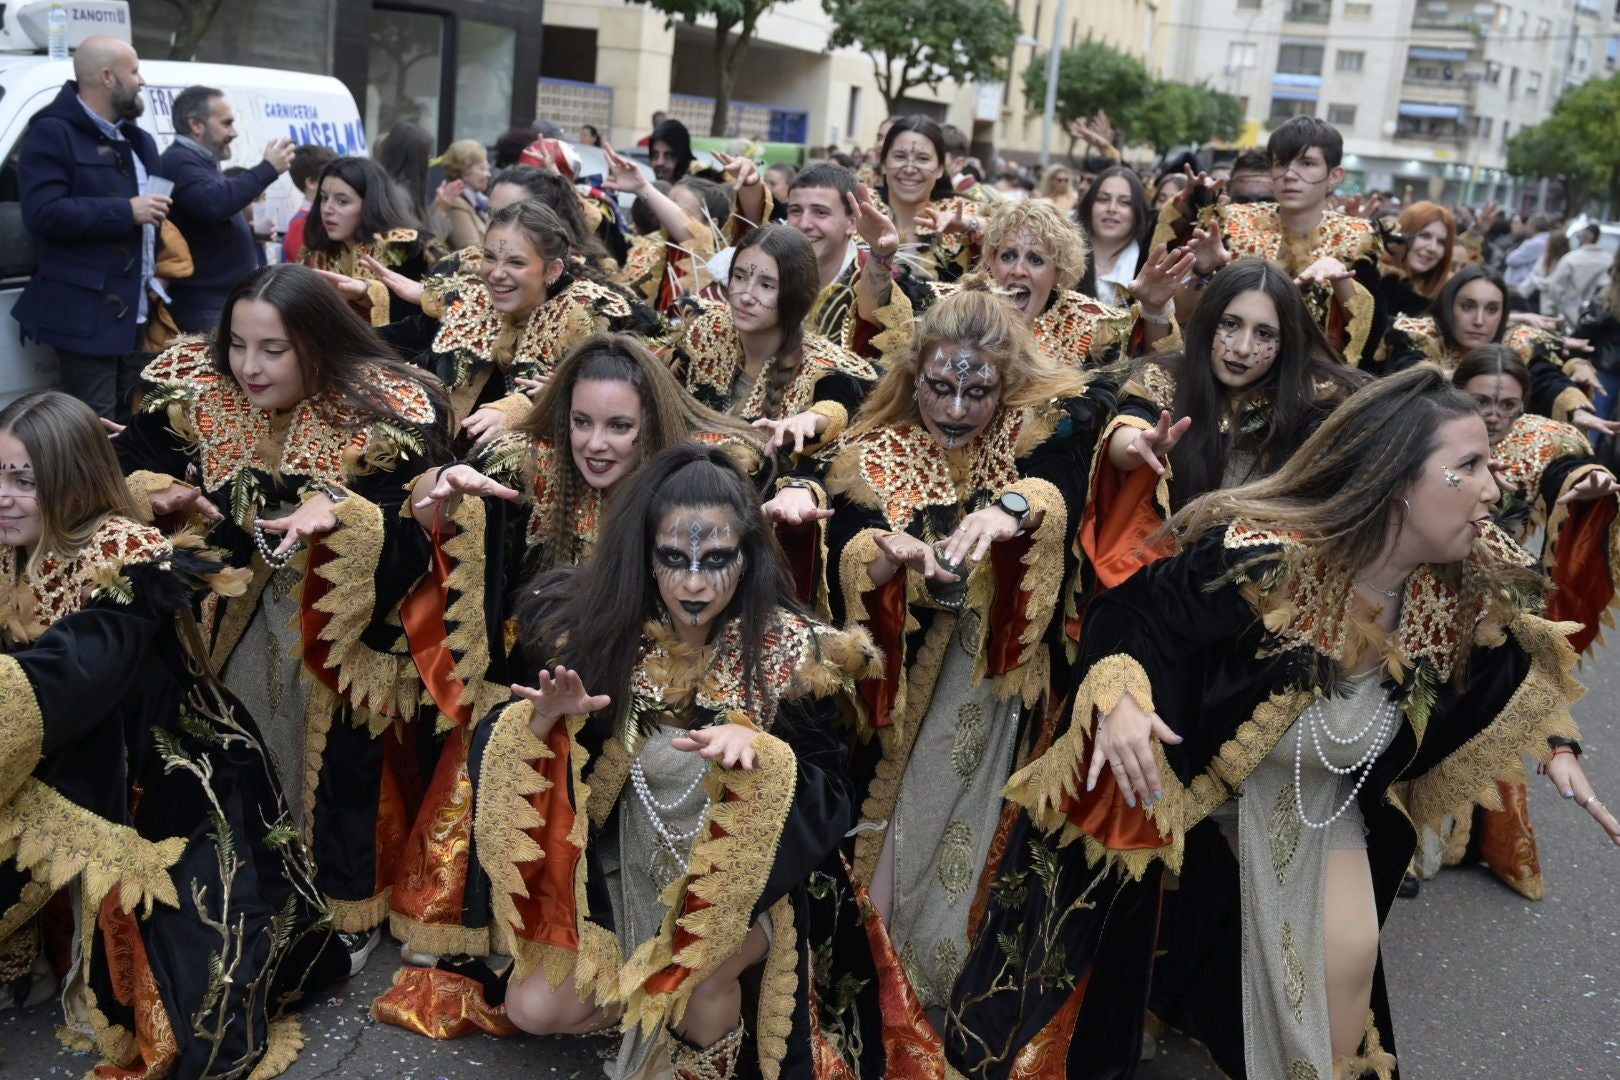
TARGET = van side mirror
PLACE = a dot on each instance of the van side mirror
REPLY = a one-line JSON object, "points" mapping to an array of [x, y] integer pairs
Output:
{"points": [[16, 245]]}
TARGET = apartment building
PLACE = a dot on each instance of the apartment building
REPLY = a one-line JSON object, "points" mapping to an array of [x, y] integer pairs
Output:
{"points": [[1426, 92]]}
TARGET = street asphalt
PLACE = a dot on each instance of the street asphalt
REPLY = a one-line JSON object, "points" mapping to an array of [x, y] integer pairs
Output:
{"points": [[1484, 983]]}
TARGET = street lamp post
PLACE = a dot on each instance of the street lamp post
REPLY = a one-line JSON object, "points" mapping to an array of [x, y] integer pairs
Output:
{"points": [[1050, 113]]}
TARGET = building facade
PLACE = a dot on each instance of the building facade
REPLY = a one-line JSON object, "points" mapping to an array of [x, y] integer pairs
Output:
{"points": [[1426, 92]]}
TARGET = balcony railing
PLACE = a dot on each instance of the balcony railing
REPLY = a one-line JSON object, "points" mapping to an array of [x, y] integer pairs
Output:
{"points": [[1311, 13]]}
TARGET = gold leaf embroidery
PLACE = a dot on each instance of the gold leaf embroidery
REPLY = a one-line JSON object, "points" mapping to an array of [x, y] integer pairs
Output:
{"points": [[955, 859], [1293, 974], [967, 748], [1286, 827]]}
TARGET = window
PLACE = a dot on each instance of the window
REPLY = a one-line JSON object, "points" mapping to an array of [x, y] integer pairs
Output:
{"points": [[1507, 129], [485, 56], [1350, 61], [1248, 5], [1532, 82], [1286, 110], [1513, 85], [405, 75], [1583, 55], [1482, 127], [1342, 116], [1543, 29], [1493, 72], [1242, 54], [1358, 12], [1299, 60]]}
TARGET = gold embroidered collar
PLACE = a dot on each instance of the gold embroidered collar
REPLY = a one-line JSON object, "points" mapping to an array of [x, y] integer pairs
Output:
{"points": [[31, 603]]}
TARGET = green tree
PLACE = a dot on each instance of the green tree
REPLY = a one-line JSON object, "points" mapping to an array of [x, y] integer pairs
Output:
{"points": [[924, 42], [735, 23], [1091, 76], [1575, 143], [1170, 114]]}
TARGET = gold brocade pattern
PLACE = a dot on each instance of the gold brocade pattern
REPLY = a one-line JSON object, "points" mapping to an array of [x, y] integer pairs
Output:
{"points": [[1534, 443], [1155, 382], [547, 488], [1293, 974], [393, 249], [713, 354], [473, 334], [1286, 828], [1256, 230], [22, 729], [1080, 331], [323, 438], [955, 860], [902, 469], [967, 749], [778, 990], [62, 584]]}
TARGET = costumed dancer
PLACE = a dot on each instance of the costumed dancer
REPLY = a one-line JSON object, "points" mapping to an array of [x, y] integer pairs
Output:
{"points": [[1338, 654], [360, 218], [128, 772], [294, 438]]}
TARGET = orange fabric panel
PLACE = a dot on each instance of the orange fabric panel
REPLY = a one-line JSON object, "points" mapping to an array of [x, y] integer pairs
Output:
{"points": [[135, 988], [440, 1005], [1045, 1057], [886, 621], [422, 614], [1104, 815], [1581, 570], [1009, 608], [432, 879], [548, 913]]}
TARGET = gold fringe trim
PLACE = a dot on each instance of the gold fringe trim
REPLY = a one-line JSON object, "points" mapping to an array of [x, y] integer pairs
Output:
{"points": [[778, 991], [1042, 582], [371, 681], [1359, 324], [1568, 402], [466, 634], [1374, 1061], [381, 301], [143, 484], [285, 1041], [360, 916], [730, 863], [862, 549], [57, 840], [438, 939], [1538, 708], [896, 741], [837, 421], [608, 775], [319, 707], [831, 661], [897, 324], [22, 729]]}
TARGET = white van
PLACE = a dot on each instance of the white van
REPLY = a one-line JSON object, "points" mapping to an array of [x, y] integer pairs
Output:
{"points": [[305, 108]]}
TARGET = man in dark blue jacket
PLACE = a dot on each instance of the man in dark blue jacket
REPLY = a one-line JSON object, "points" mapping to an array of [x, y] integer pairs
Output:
{"points": [[208, 205], [83, 173]]}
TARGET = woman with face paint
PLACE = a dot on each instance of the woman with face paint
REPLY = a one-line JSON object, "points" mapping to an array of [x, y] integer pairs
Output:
{"points": [[937, 229], [538, 495], [361, 220], [129, 774], [291, 430], [676, 761], [752, 357], [1416, 260], [493, 339], [1337, 655], [950, 539], [1472, 310], [1551, 484], [1033, 255]]}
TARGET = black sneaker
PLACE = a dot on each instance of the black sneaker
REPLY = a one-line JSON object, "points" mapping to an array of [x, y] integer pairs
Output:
{"points": [[359, 947]]}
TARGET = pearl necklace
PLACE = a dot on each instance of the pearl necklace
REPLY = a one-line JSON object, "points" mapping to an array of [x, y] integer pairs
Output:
{"points": [[268, 553], [1314, 721], [668, 837]]}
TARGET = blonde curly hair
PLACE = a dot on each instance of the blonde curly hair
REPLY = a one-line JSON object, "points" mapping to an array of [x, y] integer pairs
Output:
{"points": [[1057, 235]]}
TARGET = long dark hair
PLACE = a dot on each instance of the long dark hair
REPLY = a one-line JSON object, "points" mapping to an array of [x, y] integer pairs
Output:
{"points": [[673, 134], [929, 129], [558, 193], [798, 282], [383, 206], [1141, 221], [1304, 358], [405, 154], [669, 416], [590, 618], [1492, 360], [338, 354], [1443, 316]]}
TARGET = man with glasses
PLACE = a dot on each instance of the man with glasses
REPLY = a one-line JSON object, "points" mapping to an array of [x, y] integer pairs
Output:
{"points": [[1333, 256]]}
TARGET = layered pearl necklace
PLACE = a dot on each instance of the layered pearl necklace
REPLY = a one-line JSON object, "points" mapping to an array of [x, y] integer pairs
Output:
{"points": [[673, 847], [1314, 722]]}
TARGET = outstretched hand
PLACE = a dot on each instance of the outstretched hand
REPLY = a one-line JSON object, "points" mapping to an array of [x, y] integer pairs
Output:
{"points": [[1152, 444], [1124, 743], [558, 693], [1569, 778], [731, 746]]}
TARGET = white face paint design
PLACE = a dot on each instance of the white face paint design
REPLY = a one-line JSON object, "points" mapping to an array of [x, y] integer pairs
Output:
{"points": [[957, 394], [697, 562]]}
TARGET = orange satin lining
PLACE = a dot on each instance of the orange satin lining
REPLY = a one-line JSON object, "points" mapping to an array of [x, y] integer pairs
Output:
{"points": [[802, 546], [1009, 609], [548, 913], [1103, 814], [912, 1048], [1119, 517], [312, 620], [1046, 1056], [432, 880], [1507, 842], [1581, 570], [886, 620], [440, 1005], [422, 615], [135, 988]]}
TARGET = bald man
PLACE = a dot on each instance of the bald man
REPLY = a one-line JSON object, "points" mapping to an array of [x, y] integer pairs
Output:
{"points": [[83, 173]]}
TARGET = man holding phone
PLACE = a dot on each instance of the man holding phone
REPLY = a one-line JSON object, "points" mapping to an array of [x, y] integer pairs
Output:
{"points": [[93, 201], [208, 204]]}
